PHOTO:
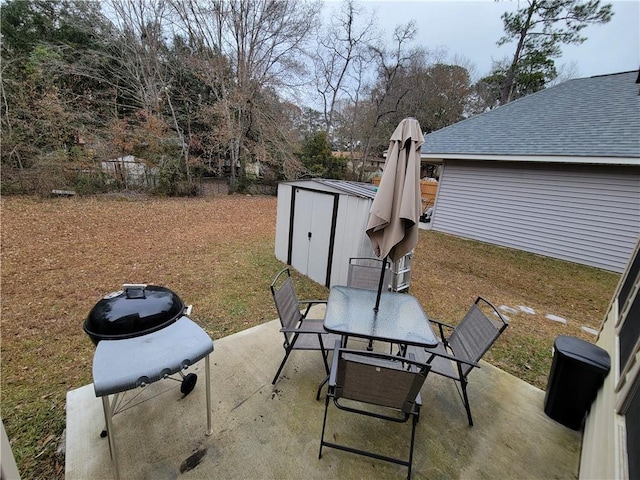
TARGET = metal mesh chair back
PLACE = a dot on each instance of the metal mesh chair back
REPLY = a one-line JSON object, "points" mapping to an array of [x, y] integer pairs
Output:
{"points": [[287, 306], [300, 332], [473, 336], [365, 273], [458, 354], [378, 381], [388, 384]]}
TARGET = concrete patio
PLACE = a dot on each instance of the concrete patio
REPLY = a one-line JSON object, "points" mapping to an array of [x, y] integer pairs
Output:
{"points": [[264, 431]]}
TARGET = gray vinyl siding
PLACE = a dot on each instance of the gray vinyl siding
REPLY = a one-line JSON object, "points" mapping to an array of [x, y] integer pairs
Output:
{"points": [[584, 214]]}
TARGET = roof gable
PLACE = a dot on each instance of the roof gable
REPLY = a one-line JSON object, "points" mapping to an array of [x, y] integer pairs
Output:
{"points": [[586, 117]]}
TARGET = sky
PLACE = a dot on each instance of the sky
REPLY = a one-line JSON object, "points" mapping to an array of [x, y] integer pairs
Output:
{"points": [[471, 28]]}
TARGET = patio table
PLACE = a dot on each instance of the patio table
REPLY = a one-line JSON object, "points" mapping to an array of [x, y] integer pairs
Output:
{"points": [[400, 318]]}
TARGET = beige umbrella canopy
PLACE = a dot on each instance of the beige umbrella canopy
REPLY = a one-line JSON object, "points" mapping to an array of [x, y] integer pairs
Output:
{"points": [[395, 212]]}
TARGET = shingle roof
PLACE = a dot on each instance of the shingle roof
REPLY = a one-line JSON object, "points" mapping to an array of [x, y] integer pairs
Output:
{"points": [[586, 117]]}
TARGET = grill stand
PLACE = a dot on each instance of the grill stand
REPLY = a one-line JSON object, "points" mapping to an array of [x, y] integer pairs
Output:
{"points": [[145, 360]]}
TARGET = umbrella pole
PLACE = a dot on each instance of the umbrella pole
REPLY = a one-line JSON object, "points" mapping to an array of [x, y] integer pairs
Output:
{"points": [[384, 267], [375, 309]]}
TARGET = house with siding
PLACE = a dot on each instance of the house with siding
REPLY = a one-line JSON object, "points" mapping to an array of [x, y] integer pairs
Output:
{"points": [[555, 173], [612, 428]]}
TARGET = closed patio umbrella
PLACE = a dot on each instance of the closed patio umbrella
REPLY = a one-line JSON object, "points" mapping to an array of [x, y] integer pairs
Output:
{"points": [[395, 211]]}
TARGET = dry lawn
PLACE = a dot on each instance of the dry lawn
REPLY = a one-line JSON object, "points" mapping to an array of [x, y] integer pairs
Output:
{"points": [[60, 256]]}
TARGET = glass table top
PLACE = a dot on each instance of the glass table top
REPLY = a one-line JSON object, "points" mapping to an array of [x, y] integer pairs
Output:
{"points": [[400, 317]]}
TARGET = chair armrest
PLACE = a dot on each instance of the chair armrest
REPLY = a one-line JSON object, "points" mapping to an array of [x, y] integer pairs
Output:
{"points": [[438, 322], [309, 304], [412, 366], [414, 369], [441, 329], [334, 364], [303, 330], [453, 358]]}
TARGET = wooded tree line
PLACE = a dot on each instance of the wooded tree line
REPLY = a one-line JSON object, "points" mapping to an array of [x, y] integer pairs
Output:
{"points": [[228, 87]]}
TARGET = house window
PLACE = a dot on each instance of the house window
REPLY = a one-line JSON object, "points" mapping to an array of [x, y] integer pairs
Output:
{"points": [[633, 436], [629, 334], [628, 385], [628, 285]]}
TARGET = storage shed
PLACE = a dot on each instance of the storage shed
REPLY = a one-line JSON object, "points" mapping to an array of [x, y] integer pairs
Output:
{"points": [[322, 223], [555, 173]]}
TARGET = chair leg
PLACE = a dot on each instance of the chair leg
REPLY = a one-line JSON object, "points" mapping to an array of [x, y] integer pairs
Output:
{"points": [[463, 384], [284, 360], [324, 424], [413, 436], [325, 354], [322, 384]]}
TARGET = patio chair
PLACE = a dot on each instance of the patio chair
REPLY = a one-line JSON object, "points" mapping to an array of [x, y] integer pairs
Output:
{"points": [[364, 272], [300, 332], [361, 382], [457, 354]]}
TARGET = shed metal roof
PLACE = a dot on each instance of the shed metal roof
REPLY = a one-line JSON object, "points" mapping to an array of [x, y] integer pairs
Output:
{"points": [[367, 190], [586, 117], [360, 189]]}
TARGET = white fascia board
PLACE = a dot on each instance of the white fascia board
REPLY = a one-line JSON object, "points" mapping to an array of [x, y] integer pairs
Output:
{"points": [[439, 157]]}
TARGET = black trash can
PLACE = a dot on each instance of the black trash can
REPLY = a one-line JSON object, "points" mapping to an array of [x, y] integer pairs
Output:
{"points": [[577, 372]]}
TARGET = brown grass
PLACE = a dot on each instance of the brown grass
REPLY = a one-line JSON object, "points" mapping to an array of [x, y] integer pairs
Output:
{"points": [[60, 256], [451, 272]]}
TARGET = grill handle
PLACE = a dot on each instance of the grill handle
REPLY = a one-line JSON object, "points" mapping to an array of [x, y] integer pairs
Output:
{"points": [[134, 290]]}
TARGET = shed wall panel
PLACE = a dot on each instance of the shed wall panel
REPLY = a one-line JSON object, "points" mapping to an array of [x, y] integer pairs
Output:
{"points": [[350, 239], [584, 214], [283, 217]]}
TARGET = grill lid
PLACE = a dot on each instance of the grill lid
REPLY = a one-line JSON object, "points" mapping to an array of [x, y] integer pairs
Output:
{"points": [[133, 311]]}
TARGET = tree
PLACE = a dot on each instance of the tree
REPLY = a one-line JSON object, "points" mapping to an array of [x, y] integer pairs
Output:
{"points": [[486, 92], [316, 155], [142, 70], [307, 122], [244, 48], [438, 95], [388, 91], [138, 62], [340, 55], [539, 29], [45, 103]]}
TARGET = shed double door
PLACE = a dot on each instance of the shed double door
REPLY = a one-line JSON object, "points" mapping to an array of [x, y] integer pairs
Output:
{"points": [[313, 220]]}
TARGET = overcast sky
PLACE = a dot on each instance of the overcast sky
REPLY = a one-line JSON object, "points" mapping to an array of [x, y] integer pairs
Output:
{"points": [[471, 29]]}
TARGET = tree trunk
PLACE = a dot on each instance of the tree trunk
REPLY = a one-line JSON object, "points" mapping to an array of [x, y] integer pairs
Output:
{"points": [[509, 81]]}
